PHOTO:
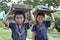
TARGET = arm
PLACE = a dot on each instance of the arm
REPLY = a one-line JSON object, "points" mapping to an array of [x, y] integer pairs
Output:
{"points": [[32, 18], [5, 20], [33, 35], [52, 18]]}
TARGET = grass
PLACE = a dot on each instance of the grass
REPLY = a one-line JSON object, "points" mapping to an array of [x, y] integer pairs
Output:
{"points": [[5, 34]]}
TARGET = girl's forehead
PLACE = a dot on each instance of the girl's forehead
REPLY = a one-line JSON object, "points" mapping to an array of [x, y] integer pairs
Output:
{"points": [[19, 15], [40, 16]]}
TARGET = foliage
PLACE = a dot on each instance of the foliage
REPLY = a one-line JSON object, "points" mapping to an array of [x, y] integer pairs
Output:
{"points": [[3, 5], [54, 3]]}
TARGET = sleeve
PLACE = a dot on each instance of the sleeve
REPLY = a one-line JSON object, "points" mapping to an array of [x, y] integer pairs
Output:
{"points": [[47, 23], [34, 28], [27, 25], [11, 25]]}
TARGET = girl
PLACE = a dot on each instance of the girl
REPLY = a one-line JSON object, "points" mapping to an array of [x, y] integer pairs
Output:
{"points": [[39, 30], [18, 28]]}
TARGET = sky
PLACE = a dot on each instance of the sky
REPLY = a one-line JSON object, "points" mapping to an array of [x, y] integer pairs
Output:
{"points": [[12, 1], [15, 0]]}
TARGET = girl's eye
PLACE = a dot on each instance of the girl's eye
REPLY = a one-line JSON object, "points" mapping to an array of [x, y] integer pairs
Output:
{"points": [[19, 17], [39, 17]]}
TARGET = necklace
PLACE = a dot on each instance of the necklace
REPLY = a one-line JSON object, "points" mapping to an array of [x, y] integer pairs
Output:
{"points": [[20, 29]]}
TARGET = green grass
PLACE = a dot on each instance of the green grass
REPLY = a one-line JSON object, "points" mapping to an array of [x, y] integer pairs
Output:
{"points": [[5, 34]]}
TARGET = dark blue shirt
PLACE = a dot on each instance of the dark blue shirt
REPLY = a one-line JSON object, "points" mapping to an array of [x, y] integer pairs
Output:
{"points": [[17, 33], [41, 30]]}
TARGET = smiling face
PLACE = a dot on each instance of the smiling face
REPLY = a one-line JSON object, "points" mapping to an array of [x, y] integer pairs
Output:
{"points": [[40, 18]]}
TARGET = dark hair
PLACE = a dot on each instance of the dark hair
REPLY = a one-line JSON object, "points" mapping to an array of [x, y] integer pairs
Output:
{"points": [[19, 13], [42, 14]]}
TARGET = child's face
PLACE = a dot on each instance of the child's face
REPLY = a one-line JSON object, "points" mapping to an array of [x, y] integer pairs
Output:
{"points": [[19, 19], [40, 19]]}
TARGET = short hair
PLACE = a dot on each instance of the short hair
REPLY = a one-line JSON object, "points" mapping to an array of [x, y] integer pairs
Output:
{"points": [[40, 13], [19, 13]]}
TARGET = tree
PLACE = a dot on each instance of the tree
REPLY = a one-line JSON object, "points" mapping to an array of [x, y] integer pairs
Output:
{"points": [[57, 21], [3, 5], [54, 3]]}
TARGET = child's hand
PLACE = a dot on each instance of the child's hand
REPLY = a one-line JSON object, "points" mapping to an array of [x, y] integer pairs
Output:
{"points": [[52, 18], [10, 11], [51, 14], [31, 18], [31, 11]]}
